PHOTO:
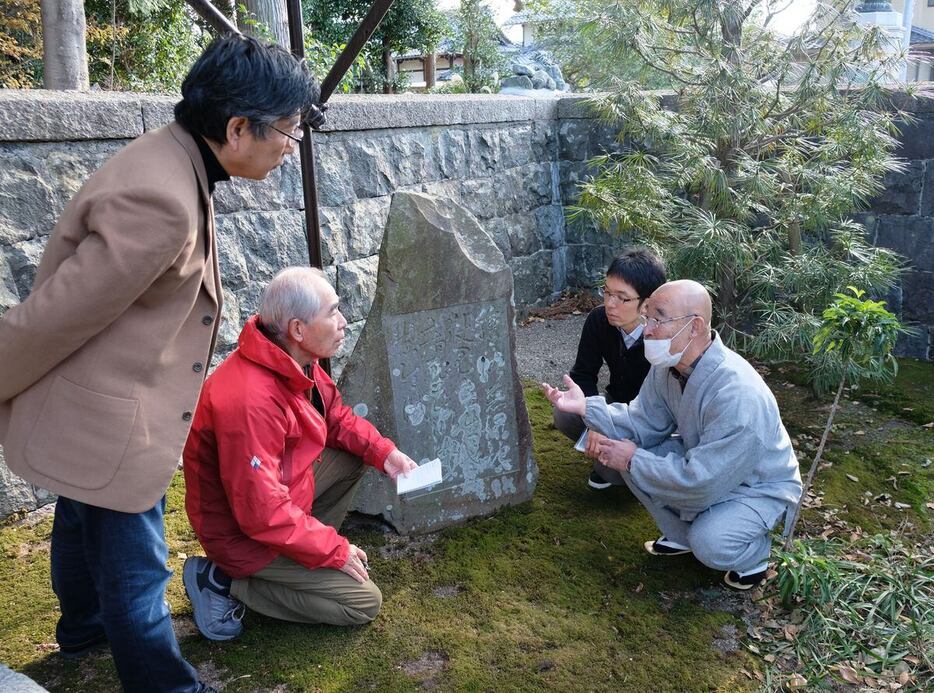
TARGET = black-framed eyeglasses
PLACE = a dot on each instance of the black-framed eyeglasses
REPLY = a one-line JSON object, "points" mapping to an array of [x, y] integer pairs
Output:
{"points": [[616, 296], [655, 322], [297, 134]]}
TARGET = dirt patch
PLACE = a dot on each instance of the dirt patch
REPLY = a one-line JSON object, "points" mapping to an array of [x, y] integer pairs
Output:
{"points": [[570, 303], [447, 591], [209, 674], [184, 627], [428, 665], [417, 547], [727, 640]]}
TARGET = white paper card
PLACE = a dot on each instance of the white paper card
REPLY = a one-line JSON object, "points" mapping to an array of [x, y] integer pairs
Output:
{"points": [[581, 445], [427, 474]]}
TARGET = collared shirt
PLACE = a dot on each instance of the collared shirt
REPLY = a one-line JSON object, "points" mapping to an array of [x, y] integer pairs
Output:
{"points": [[212, 166], [630, 338]]}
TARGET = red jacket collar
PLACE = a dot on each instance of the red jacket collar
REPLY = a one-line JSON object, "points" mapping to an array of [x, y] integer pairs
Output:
{"points": [[258, 348]]}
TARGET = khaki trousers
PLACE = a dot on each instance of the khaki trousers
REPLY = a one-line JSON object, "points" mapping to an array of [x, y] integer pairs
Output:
{"points": [[291, 592]]}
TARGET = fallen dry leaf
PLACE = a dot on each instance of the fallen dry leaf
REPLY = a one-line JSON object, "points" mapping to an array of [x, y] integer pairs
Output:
{"points": [[848, 674], [904, 678], [901, 506], [859, 433], [929, 506], [639, 587], [852, 477], [928, 425], [797, 682]]}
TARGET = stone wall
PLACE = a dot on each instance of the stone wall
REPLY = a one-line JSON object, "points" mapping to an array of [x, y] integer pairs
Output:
{"points": [[512, 161], [902, 218]]}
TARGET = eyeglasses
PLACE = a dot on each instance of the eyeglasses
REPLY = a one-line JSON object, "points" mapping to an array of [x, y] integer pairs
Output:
{"points": [[616, 296], [297, 133], [655, 322]]}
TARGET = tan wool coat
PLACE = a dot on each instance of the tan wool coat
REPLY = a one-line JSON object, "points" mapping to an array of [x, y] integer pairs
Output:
{"points": [[101, 365]]}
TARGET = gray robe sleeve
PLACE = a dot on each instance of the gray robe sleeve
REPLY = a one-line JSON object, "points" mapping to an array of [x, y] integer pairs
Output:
{"points": [[726, 455], [647, 420]]}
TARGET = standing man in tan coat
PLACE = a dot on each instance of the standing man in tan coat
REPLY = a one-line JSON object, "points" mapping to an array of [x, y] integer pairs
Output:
{"points": [[101, 366]]}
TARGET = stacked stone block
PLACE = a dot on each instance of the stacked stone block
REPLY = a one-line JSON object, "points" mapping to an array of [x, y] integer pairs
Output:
{"points": [[514, 162]]}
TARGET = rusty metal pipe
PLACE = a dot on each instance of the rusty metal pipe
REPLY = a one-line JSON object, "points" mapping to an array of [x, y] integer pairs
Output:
{"points": [[363, 33], [213, 16]]}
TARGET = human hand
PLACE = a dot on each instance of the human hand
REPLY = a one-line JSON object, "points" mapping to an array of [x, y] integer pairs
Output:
{"points": [[570, 401], [592, 447], [616, 454], [397, 462], [356, 564]]}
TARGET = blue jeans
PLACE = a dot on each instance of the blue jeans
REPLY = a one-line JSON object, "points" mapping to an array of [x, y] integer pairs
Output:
{"points": [[109, 573]]}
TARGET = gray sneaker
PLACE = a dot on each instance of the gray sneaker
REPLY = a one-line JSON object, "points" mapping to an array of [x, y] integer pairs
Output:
{"points": [[217, 617]]}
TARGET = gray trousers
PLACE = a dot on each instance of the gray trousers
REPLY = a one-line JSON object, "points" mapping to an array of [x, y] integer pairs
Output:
{"points": [[732, 535], [573, 426], [291, 592]]}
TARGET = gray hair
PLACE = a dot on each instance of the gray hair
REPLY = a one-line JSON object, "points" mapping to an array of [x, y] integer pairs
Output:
{"points": [[291, 294]]}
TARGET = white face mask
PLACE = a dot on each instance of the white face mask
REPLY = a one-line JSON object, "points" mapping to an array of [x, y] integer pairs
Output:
{"points": [[657, 350]]}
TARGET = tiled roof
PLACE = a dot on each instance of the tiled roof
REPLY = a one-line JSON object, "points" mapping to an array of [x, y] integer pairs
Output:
{"points": [[919, 35]]}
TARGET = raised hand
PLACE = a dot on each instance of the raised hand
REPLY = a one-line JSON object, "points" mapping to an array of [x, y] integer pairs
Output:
{"points": [[570, 401]]}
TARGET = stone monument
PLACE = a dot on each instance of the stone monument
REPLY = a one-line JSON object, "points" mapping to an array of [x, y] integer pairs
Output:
{"points": [[435, 368]]}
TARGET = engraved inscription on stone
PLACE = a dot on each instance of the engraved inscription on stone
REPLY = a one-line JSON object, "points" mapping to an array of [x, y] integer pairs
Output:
{"points": [[453, 391]]}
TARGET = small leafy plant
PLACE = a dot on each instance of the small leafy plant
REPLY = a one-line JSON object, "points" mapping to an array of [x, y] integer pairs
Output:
{"points": [[856, 338]]}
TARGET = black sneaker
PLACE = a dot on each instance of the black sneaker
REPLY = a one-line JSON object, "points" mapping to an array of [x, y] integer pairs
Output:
{"points": [[73, 652], [597, 482], [664, 547], [746, 582]]}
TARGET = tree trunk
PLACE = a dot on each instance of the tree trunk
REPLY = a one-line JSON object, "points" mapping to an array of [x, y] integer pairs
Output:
{"points": [[64, 48], [790, 529], [390, 67], [794, 238], [429, 69], [271, 13]]}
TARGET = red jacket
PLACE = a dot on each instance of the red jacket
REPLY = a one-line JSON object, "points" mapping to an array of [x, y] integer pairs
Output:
{"points": [[248, 459]]}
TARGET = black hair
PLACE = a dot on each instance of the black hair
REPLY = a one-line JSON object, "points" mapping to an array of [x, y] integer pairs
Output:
{"points": [[240, 76], [642, 269]]}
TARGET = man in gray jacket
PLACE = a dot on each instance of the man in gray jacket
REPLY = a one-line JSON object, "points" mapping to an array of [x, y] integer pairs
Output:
{"points": [[718, 489]]}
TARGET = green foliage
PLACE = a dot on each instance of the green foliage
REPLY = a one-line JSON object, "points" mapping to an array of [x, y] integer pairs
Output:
{"points": [[409, 25], [148, 48], [578, 35], [319, 56], [20, 44], [749, 184], [475, 37], [857, 337], [868, 608]]}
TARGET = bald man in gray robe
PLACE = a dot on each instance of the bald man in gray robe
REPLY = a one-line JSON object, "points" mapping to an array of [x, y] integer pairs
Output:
{"points": [[721, 487]]}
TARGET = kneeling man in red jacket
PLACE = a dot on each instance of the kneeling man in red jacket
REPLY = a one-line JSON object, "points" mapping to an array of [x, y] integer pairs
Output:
{"points": [[271, 465]]}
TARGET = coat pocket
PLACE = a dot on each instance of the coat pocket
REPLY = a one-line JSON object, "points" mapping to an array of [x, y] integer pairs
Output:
{"points": [[80, 436]]}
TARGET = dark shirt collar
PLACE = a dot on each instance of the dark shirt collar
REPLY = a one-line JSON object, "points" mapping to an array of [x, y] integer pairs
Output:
{"points": [[683, 379], [212, 166]]}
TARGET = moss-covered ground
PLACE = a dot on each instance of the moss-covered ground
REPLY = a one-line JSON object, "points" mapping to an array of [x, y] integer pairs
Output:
{"points": [[554, 594]]}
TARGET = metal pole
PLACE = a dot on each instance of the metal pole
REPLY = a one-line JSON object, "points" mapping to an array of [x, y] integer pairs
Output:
{"points": [[306, 147], [213, 16], [369, 24], [309, 186]]}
